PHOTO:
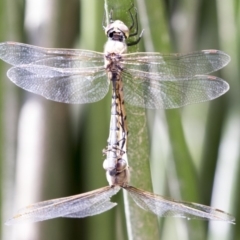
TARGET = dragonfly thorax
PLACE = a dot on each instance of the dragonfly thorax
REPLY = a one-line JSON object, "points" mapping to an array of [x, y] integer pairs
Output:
{"points": [[115, 46]]}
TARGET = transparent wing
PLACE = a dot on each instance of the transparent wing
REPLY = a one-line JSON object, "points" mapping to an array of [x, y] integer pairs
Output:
{"points": [[149, 90], [165, 207], [71, 85], [153, 80], [17, 54], [176, 65], [78, 206]]}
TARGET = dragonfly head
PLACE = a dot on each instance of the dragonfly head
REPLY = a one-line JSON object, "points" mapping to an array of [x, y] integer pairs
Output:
{"points": [[117, 30]]}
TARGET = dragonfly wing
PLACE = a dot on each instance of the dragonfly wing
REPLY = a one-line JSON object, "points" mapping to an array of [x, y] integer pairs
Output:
{"points": [[62, 85], [165, 207], [81, 205], [98, 208], [177, 65], [16, 54], [152, 91]]}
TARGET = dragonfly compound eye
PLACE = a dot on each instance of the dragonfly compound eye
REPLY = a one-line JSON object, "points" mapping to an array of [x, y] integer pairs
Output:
{"points": [[117, 26]]}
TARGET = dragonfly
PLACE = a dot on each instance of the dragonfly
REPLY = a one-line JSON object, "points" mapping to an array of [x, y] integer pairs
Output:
{"points": [[117, 174], [150, 80], [79, 76]]}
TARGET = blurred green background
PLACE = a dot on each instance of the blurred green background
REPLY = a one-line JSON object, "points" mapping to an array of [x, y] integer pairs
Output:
{"points": [[51, 150]]}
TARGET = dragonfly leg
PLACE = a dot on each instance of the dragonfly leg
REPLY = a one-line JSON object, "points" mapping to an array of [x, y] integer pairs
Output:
{"points": [[136, 41], [110, 148], [133, 21]]}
